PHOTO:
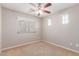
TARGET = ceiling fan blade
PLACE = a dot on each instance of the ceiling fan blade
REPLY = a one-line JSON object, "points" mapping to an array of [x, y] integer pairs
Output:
{"points": [[31, 10], [47, 11], [39, 4], [47, 5], [32, 4]]}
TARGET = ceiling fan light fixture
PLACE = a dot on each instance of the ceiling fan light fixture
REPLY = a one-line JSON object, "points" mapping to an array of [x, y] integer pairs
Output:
{"points": [[39, 12]]}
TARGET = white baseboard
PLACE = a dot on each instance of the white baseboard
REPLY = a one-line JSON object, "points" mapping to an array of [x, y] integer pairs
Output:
{"points": [[62, 47], [20, 45], [39, 41], [0, 51]]}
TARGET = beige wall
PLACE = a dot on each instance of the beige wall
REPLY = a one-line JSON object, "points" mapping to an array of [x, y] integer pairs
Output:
{"points": [[63, 34], [0, 27], [9, 25]]}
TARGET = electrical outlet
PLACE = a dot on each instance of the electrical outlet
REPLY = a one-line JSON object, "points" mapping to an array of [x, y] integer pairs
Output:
{"points": [[77, 45], [71, 44]]}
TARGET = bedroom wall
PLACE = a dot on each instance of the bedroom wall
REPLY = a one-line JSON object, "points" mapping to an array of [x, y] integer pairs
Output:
{"points": [[0, 27], [10, 37], [62, 28]]}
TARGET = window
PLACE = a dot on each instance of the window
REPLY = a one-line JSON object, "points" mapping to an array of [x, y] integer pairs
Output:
{"points": [[65, 19], [49, 22]]}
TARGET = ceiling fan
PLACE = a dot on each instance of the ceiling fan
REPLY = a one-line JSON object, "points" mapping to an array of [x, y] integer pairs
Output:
{"points": [[40, 8]]}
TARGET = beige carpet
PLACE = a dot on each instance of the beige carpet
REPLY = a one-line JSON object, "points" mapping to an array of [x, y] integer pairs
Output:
{"points": [[39, 49]]}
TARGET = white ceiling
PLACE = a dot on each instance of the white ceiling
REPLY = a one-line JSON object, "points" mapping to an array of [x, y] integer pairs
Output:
{"points": [[25, 7]]}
